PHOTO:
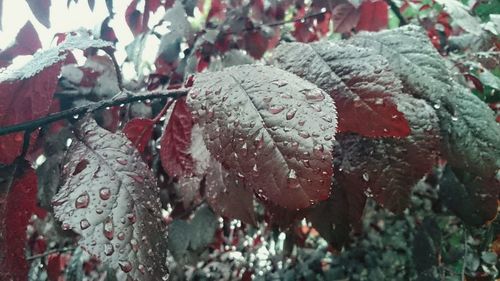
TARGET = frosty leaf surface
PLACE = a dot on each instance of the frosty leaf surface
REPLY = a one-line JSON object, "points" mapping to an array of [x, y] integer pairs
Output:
{"points": [[359, 81], [110, 197], [270, 128]]}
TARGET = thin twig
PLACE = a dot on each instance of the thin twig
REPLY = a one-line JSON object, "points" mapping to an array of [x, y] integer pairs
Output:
{"points": [[313, 15], [397, 12], [75, 112], [53, 251], [119, 76]]}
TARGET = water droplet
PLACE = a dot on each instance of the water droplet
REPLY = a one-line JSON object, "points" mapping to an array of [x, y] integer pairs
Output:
{"points": [[76, 116], [366, 177], [318, 149], [141, 268], [104, 193], [84, 224], [259, 141], [131, 218], [327, 119], [108, 228], [293, 181], [134, 244], [121, 236], [314, 95], [291, 113], [65, 226], [126, 266], [302, 122], [275, 109], [122, 161], [99, 211], [454, 118], [379, 101], [82, 201], [108, 249], [304, 134], [267, 99], [437, 106], [327, 138], [255, 168], [280, 83]]}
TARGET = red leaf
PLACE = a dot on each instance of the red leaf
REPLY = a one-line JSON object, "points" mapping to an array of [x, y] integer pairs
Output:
{"points": [[32, 99], [176, 141], [107, 32], [255, 43], [41, 10], [16, 208], [56, 265], [139, 132], [374, 15], [26, 43], [345, 17], [134, 18]]}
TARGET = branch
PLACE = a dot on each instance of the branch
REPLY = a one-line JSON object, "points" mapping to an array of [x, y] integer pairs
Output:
{"points": [[53, 251], [397, 12], [71, 113], [119, 76]]}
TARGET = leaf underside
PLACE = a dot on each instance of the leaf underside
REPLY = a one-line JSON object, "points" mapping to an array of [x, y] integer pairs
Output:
{"points": [[110, 197]]}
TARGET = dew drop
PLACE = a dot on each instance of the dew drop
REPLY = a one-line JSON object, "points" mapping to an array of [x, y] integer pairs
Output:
{"points": [[141, 268], [454, 118], [99, 211], [275, 109], [255, 168], [122, 161], [437, 106], [291, 113], [131, 218], [366, 177], [293, 181], [121, 236], [302, 122], [134, 244], [318, 149], [108, 228], [108, 249], [84, 224], [379, 101], [82, 201], [314, 95], [104, 193], [280, 83], [65, 226], [267, 99], [304, 134], [126, 266]]}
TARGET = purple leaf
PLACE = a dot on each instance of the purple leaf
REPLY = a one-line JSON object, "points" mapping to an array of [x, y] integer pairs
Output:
{"points": [[110, 197], [270, 128]]}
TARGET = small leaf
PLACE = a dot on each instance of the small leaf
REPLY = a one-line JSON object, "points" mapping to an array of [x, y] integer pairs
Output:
{"points": [[374, 15], [139, 131], [176, 141], [41, 10], [345, 17], [26, 43], [359, 81], [110, 197], [260, 118]]}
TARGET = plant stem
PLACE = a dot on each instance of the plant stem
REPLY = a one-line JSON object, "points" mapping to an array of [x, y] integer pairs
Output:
{"points": [[53, 251], [75, 112], [397, 12]]}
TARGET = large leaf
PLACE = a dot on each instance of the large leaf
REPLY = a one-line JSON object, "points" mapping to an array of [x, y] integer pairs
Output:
{"points": [[26, 93], [18, 190], [472, 137], [358, 79], [387, 169], [270, 128], [110, 197]]}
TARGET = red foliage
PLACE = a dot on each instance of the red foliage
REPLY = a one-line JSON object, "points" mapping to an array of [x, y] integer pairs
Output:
{"points": [[139, 132], [373, 15], [26, 43]]}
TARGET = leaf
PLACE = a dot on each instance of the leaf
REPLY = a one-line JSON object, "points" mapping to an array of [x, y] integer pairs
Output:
{"points": [[471, 135], [345, 17], [134, 18], [471, 198], [192, 237], [27, 92], [139, 131], [263, 125], [374, 15], [26, 43], [41, 10], [18, 190], [359, 81], [387, 169], [176, 141], [460, 15], [109, 196]]}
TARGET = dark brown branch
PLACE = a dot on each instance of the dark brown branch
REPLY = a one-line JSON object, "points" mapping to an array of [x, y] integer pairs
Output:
{"points": [[53, 251], [119, 76], [71, 113], [397, 12]]}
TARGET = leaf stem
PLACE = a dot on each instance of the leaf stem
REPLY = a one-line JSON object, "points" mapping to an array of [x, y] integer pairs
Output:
{"points": [[53, 251], [397, 12], [76, 111]]}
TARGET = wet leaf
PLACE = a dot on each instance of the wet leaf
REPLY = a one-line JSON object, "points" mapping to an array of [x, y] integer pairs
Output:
{"points": [[176, 141], [387, 169], [110, 197], [262, 124], [345, 17], [471, 134], [373, 15], [139, 131], [359, 81]]}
